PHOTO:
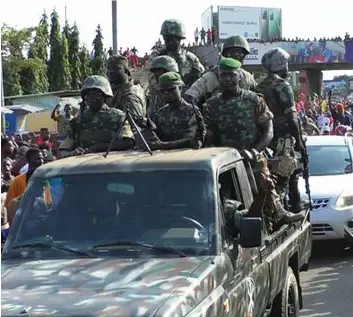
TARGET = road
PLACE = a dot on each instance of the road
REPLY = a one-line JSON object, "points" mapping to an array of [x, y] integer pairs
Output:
{"points": [[328, 286]]}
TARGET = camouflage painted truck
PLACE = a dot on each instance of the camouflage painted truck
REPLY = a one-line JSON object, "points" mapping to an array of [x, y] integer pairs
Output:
{"points": [[138, 235]]}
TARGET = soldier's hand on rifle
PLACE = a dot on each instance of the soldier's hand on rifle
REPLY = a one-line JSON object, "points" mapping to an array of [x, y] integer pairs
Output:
{"points": [[266, 182], [157, 144], [298, 146]]}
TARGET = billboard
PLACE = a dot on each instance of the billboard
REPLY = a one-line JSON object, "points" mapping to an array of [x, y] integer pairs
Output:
{"points": [[207, 18], [252, 23], [306, 52]]}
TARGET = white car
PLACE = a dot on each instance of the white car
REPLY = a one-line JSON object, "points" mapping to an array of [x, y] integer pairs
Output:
{"points": [[331, 186]]}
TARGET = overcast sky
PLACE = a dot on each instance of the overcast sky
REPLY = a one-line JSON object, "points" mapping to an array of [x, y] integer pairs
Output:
{"points": [[139, 21]]}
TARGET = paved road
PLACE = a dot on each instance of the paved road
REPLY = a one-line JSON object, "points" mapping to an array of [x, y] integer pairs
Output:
{"points": [[328, 286]]}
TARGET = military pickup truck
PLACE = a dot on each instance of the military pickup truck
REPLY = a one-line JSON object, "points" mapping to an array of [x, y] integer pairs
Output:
{"points": [[138, 235]]}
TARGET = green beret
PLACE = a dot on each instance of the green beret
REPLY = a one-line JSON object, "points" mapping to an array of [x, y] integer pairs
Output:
{"points": [[170, 79], [118, 60], [228, 63]]}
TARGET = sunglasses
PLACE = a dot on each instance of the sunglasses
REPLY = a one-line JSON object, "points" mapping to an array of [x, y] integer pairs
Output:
{"points": [[165, 90]]}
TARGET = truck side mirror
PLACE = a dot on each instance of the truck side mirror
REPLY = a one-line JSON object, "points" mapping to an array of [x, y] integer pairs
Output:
{"points": [[251, 235]]}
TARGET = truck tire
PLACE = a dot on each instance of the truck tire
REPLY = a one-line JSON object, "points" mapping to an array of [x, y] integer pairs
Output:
{"points": [[286, 303]]}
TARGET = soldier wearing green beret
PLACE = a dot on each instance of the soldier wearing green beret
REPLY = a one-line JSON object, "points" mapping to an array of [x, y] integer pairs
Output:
{"points": [[178, 122], [241, 119], [127, 94]]}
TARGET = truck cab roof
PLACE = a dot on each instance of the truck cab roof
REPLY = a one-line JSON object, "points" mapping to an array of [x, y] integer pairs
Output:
{"points": [[185, 159]]}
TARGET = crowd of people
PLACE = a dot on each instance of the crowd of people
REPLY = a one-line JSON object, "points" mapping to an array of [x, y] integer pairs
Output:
{"points": [[320, 117], [21, 155]]}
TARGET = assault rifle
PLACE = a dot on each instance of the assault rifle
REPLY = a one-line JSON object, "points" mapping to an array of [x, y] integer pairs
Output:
{"points": [[128, 117], [305, 161]]}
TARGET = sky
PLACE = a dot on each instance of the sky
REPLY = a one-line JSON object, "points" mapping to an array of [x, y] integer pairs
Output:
{"points": [[139, 21]]}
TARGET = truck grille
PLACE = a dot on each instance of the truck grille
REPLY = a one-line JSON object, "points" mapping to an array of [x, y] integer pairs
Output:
{"points": [[320, 203], [320, 229]]}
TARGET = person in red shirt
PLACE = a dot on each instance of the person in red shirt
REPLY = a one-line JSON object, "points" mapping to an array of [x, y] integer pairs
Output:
{"points": [[43, 140], [209, 36]]}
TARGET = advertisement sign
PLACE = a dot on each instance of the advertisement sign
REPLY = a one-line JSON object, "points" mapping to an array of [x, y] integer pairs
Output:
{"points": [[308, 52], [207, 19], [337, 87], [252, 23]]}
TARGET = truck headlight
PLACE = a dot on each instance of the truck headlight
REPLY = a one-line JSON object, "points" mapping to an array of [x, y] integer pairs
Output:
{"points": [[345, 199]]}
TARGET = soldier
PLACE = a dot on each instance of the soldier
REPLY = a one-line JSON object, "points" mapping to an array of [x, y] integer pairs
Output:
{"points": [[160, 65], [190, 68], [236, 47], [178, 123], [127, 94], [279, 95], [240, 118], [96, 128]]}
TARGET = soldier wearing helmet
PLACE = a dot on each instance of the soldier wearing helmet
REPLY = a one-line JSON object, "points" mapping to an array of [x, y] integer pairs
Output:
{"points": [[94, 131], [279, 96], [159, 66], [236, 47], [127, 94], [190, 67]]}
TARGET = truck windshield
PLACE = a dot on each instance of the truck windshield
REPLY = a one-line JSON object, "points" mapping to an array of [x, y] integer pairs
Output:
{"points": [[169, 208]]}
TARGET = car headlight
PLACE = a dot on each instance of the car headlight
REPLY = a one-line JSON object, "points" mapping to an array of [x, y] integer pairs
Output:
{"points": [[345, 199]]}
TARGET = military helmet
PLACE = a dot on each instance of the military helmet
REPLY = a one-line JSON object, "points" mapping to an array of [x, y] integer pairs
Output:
{"points": [[97, 82], [174, 28], [236, 41], [275, 59], [165, 62]]}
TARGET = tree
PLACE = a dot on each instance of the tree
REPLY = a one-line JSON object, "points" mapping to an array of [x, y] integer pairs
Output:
{"points": [[39, 47], [98, 63], [85, 63], [74, 58], [55, 43], [21, 75], [64, 76]]}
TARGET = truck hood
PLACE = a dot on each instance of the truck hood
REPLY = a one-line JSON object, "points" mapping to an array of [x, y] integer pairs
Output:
{"points": [[97, 287], [327, 186]]}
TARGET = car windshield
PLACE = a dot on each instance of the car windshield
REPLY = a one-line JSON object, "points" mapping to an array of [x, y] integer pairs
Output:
{"points": [[167, 209], [327, 160]]}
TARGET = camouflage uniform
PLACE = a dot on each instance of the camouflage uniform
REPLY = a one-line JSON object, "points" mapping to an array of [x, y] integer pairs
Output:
{"points": [[189, 64], [155, 97], [279, 96], [128, 96], [235, 121], [208, 85], [96, 127], [176, 123]]}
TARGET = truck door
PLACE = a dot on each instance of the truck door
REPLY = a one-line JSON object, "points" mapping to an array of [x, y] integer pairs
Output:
{"points": [[249, 290]]}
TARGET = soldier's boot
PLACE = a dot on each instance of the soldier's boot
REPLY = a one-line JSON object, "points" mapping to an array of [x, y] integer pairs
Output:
{"points": [[296, 204], [283, 216]]}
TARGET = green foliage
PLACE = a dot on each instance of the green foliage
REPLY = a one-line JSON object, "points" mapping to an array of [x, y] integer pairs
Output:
{"points": [[39, 47], [55, 43], [45, 57], [85, 64], [64, 78], [74, 58], [98, 62]]}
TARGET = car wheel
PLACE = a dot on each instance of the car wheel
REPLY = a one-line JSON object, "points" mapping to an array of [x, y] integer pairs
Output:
{"points": [[286, 303]]}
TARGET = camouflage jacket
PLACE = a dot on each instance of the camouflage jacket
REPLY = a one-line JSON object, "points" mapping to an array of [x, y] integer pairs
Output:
{"points": [[176, 123], [130, 97], [208, 85], [96, 128], [188, 64], [235, 122], [279, 96]]}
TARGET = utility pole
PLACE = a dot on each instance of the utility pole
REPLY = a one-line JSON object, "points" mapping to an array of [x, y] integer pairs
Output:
{"points": [[115, 26], [65, 14]]}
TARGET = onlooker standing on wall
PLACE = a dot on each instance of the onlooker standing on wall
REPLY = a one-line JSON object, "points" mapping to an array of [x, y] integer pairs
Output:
{"points": [[196, 36], [203, 36], [62, 119]]}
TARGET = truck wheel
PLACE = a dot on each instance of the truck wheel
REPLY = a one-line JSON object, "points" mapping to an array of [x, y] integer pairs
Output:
{"points": [[286, 303]]}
